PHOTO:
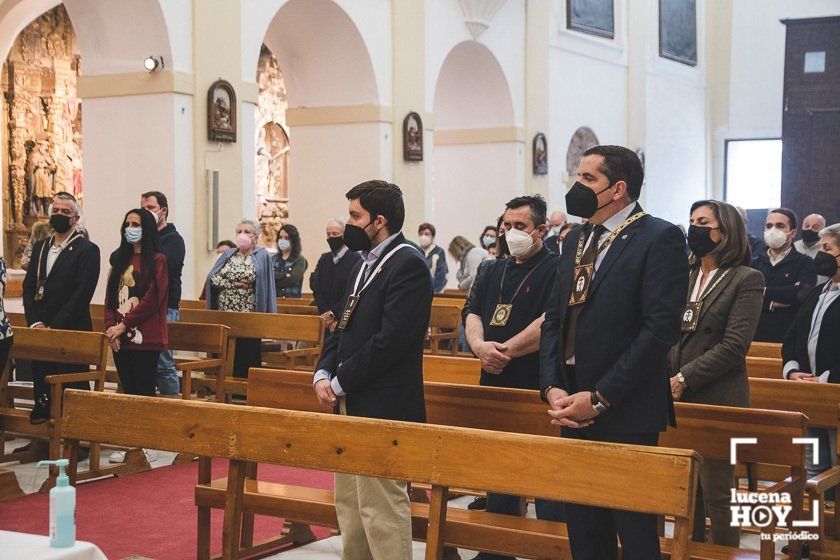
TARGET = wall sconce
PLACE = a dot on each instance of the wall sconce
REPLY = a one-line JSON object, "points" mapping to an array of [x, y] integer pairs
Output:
{"points": [[153, 63]]}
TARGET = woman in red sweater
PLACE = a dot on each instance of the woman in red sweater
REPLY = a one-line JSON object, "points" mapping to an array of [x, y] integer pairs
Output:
{"points": [[135, 303]]}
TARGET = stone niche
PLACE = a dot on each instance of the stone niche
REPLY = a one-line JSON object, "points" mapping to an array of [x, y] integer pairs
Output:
{"points": [[272, 157], [43, 122]]}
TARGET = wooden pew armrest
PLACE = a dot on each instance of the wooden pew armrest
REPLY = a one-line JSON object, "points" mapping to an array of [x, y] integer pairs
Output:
{"points": [[444, 336], [63, 378], [824, 480], [786, 485], [200, 365], [301, 352]]}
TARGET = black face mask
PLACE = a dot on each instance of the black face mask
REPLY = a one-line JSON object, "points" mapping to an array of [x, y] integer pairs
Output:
{"points": [[825, 264], [60, 223], [583, 202], [356, 238], [700, 240], [335, 243], [810, 236]]}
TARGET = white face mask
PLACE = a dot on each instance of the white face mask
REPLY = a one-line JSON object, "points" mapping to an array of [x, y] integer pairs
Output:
{"points": [[775, 238], [425, 240], [519, 242], [556, 230]]}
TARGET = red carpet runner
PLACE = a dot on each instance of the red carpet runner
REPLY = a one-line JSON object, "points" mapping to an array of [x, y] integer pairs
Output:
{"points": [[149, 514]]}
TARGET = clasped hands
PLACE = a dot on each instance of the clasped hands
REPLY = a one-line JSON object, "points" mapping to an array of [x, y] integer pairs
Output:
{"points": [[492, 356], [802, 376], [571, 411], [114, 333], [324, 392]]}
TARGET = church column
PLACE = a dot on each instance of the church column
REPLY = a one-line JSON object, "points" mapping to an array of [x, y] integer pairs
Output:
{"points": [[217, 40], [409, 91], [537, 90]]}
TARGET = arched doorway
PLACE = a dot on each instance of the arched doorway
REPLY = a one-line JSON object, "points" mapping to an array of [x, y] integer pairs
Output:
{"points": [[272, 149], [478, 161], [43, 120]]}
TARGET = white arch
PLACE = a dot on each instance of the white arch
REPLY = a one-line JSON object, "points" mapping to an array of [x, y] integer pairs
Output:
{"points": [[322, 52], [472, 90]]}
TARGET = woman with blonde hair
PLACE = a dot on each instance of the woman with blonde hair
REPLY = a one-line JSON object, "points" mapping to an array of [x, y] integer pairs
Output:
{"points": [[469, 257]]}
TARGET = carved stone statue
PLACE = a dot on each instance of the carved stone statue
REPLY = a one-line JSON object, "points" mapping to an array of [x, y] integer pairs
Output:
{"points": [[40, 172]]}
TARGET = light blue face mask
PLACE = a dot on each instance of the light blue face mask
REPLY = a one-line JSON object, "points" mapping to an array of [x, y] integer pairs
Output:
{"points": [[284, 244], [488, 240], [133, 234]]}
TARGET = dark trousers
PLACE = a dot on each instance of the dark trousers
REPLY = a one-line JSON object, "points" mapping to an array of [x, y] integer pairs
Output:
{"points": [[40, 370], [137, 370], [5, 348], [593, 530], [248, 354], [513, 505]]}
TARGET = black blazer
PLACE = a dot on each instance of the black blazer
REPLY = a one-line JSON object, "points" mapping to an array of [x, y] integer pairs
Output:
{"points": [[378, 357], [625, 329], [553, 244], [68, 288], [795, 346], [329, 281]]}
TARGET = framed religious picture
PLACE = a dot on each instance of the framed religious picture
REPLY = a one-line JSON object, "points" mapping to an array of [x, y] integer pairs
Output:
{"points": [[540, 149], [413, 137], [595, 17], [678, 30], [221, 112]]}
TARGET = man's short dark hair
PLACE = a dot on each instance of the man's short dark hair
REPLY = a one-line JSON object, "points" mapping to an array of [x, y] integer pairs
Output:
{"points": [[788, 213], [620, 164], [381, 198], [535, 202], [427, 226], [159, 196]]}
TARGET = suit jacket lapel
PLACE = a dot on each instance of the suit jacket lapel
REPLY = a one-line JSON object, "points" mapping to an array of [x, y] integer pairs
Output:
{"points": [[398, 240], [616, 248], [709, 299], [63, 255]]}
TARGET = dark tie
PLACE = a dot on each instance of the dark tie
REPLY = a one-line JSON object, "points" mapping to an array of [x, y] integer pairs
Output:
{"points": [[573, 311]]}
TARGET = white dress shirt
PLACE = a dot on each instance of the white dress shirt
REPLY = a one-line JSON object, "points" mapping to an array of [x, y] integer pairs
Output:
{"points": [[776, 260], [698, 289], [830, 292], [338, 256], [369, 258]]}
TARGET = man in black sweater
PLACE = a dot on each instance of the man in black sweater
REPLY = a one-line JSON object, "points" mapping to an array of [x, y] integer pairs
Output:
{"points": [[330, 276], [172, 246]]}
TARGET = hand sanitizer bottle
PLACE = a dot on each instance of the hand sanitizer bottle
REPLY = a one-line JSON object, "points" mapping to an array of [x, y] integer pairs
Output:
{"points": [[62, 508]]}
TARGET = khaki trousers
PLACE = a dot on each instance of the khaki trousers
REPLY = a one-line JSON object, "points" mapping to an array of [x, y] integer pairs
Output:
{"points": [[374, 515], [717, 478]]}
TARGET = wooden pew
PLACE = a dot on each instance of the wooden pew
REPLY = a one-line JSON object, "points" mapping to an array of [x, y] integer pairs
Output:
{"points": [[302, 328], [14, 289], [547, 467], [68, 347], [193, 304], [300, 309], [445, 369], [444, 324], [450, 292], [304, 299], [819, 402], [525, 413], [765, 350], [210, 340], [764, 368]]}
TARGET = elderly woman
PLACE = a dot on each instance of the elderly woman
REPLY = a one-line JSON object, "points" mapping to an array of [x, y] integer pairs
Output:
{"points": [[242, 279], [810, 351], [708, 364], [469, 257]]}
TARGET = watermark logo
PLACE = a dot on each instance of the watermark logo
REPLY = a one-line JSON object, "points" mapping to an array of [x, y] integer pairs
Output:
{"points": [[766, 509]]}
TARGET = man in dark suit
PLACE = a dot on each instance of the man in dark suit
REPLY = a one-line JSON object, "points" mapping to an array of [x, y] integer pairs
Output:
{"points": [[373, 367], [613, 317], [57, 290], [329, 279]]}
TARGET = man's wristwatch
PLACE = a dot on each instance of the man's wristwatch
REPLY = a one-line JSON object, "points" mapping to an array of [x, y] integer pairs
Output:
{"points": [[680, 378], [599, 407]]}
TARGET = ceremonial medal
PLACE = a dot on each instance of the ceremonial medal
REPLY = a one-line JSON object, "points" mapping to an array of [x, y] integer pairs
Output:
{"points": [[690, 316], [39, 295], [580, 284], [352, 301], [501, 315]]}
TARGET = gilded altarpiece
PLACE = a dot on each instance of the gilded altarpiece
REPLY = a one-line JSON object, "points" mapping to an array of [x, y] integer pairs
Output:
{"points": [[272, 143], [42, 154]]}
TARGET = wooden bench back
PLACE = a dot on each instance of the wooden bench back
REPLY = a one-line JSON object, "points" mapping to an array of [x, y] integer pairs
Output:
{"points": [[298, 309], [442, 369], [193, 304], [445, 317], [702, 428], [304, 328], [198, 337], [764, 368], [816, 401], [448, 301], [546, 467], [304, 299], [765, 350], [62, 346]]}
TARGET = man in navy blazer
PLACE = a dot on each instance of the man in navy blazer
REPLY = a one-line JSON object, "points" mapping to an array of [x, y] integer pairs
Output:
{"points": [[373, 364], [607, 333]]}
